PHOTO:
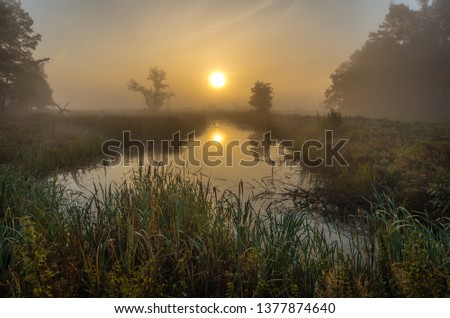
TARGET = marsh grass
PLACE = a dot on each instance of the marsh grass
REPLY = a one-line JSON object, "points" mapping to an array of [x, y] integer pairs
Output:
{"points": [[162, 234], [41, 143], [406, 160]]}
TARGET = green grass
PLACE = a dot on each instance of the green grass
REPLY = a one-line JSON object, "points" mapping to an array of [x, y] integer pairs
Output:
{"points": [[41, 143], [406, 160], [163, 235]]}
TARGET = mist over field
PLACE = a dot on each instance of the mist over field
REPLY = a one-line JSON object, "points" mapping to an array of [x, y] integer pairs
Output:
{"points": [[265, 149], [97, 46]]}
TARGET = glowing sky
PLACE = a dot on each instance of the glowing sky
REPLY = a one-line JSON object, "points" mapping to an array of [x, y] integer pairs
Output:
{"points": [[96, 46]]}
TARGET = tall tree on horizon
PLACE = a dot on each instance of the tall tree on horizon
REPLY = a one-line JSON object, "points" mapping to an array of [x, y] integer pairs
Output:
{"points": [[261, 97], [23, 83], [402, 70]]}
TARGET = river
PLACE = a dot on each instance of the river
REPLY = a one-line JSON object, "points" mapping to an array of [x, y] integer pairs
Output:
{"points": [[224, 155], [243, 169]]}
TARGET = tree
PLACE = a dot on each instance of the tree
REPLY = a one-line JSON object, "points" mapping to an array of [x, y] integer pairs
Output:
{"points": [[61, 109], [261, 97], [23, 83], [159, 92], [403, 69]]}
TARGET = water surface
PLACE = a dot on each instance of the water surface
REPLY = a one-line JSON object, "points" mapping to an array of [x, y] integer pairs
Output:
{"points": [[266, 183], [266, 177]]}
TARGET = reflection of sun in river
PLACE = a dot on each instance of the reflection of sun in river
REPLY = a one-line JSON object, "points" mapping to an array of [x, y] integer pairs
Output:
{"points": [[217, 137]]}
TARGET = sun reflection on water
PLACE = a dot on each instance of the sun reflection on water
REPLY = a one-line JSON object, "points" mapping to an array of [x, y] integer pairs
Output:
{"points": [[217, 136]]}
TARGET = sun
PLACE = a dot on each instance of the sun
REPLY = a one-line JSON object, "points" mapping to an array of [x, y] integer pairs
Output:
{"points": [[217, 80]]}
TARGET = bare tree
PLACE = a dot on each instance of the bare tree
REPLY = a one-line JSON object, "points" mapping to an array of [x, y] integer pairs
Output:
{"points": [[61, 109]]}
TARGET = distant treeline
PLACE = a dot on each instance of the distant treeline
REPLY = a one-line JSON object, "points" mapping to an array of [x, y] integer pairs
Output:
{"points": [[403, 69]]}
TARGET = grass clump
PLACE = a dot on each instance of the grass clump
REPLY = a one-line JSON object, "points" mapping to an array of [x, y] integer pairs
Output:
{"points": [[41, 143], [162, 235], [406, 160]]}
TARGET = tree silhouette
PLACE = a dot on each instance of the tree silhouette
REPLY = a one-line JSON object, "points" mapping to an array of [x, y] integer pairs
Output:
{"points": [[159, 92], [22, 79], [61, 109], [403, 69], [261, 97]]}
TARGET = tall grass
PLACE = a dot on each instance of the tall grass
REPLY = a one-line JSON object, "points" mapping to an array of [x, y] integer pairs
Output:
{"points": [[161, 234], [408, 161], [40, 143]]}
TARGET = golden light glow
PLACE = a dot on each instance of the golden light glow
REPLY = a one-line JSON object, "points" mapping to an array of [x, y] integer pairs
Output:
{"points": [[217, 80], [218, 137]]}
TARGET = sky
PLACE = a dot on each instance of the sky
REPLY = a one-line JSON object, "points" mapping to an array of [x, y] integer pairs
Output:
{"points": [[96, 46]]}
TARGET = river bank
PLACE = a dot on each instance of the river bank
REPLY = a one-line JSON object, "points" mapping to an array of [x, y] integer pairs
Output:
{"points": [[160, 233]]}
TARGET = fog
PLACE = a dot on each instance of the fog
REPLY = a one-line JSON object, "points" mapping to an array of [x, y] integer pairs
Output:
{"points": [[96, 47]]}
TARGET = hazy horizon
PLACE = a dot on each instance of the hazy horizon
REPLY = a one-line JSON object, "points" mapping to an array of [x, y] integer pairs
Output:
{"points": [[96, 47]]}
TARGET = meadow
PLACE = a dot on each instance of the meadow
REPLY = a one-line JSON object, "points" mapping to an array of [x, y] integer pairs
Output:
{"points": [[161, 234]]}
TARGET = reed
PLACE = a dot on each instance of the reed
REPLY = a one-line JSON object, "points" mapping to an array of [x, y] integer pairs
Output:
{"points": [[164, 234], [407, 160]]}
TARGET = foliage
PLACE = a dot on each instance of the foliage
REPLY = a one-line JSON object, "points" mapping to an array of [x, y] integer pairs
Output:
{"points": [[261, 97], [165, 235], [408, 161], [402, 69], [23, 82], [161, 234], [156, 95], [42, 143], [334, 119]]}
